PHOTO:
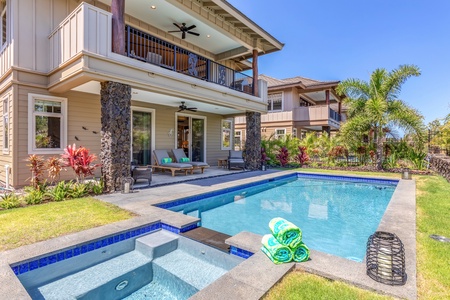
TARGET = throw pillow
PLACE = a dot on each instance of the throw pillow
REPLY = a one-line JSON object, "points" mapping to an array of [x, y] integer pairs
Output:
{"points": [[184, 159], [166, 160]]}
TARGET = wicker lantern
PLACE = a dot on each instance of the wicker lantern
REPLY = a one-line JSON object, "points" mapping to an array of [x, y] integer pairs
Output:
{"points": [[385, 258]]}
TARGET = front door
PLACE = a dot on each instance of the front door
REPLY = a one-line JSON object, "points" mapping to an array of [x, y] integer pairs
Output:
{"points": [[191, 136], [141, 136]]}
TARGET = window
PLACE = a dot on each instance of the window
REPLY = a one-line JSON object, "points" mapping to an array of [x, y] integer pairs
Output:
{"points": [[3, 24], [294, 132], [280, 134], [275, 102], [226, 134], [6, 125], [47, 117], [238, 140]]}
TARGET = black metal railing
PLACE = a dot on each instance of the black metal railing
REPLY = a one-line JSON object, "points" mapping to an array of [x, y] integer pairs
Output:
{"points": [[147, 48], [335, 116]]}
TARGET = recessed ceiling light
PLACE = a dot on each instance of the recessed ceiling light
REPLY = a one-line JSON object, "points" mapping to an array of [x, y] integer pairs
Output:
{"points": [[153, 6], [208, 36]]}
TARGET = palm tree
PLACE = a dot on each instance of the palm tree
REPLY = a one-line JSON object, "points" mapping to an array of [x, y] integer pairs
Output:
{"points": [[373, 106]]}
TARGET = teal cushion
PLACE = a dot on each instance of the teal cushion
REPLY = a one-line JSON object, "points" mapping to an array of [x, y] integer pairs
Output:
{"points": [[184, 159], [166, 160]]}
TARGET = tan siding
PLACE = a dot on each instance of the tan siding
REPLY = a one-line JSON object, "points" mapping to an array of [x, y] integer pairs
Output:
{"points": [[6, 158]]}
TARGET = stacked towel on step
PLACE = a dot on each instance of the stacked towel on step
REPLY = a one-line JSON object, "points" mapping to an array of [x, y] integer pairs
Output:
{"points": [[285, 243], [277, 252], [285, 232]]}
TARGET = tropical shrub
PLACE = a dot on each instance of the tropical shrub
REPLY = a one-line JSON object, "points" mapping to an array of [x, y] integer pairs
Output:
{"points": [[302, 157], [79, 190], [37, 166], [9, 201], [283, 156], [54, 168], [95, 187], [61, 191], [80, 161], [417, 159], [34, 196]]}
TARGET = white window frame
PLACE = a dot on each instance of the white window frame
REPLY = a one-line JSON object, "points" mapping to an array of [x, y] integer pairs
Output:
{"points": [[240, 138], [230, 132], [3, 43], [32, 98], [277, 136], [6, 124], [271, 102]]}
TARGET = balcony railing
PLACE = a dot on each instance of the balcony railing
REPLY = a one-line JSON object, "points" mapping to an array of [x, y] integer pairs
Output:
{"points": [[150, 49], [5, 59], [335, 116]]}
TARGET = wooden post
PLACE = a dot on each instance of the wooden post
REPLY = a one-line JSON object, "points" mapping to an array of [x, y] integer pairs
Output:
{"points": [[255, 72], [327, 97], [118, 26]]}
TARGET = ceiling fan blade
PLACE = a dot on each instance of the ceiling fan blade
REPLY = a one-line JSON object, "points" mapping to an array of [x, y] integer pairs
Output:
{"points": [[174, 31], [194, 33], [179, 27], [191, 27], [183, 35]]}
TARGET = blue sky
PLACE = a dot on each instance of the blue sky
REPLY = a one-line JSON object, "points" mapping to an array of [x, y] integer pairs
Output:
{"points": [[336, 40]]}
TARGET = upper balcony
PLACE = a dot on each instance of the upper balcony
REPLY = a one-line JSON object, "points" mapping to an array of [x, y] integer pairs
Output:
{"points": [[150, 49], [308, 117]]}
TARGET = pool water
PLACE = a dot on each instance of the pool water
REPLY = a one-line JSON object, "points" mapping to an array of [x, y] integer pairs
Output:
{"points": [[335, 216]]}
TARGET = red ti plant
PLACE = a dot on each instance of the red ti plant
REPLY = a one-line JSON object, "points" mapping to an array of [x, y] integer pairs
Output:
{"points": [[37, 165], [283, 156], [302, 157], [264, 157], [80, 160]]}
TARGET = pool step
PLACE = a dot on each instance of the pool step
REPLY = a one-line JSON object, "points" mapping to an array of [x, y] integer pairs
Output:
{"points": [[192, 270], [157, 244], [100, 281]]}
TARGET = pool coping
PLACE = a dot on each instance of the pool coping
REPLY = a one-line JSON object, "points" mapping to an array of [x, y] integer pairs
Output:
{"points": [[255, 276]]}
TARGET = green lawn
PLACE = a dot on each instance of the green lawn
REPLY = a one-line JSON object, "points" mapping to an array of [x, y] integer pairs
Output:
{"points": [[28, 225], [433, 258]]}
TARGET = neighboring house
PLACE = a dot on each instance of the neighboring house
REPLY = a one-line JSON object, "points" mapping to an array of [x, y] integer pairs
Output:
{"points": [[295, 106], [123, 81]]}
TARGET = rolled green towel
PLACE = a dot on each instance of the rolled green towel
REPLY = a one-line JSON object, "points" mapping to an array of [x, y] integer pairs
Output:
{"points": [[275, 251], [285, 232], [301, 253]]}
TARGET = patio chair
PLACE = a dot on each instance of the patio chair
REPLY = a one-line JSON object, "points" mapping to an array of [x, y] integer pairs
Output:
{"points": [[141, 172], [236, 160], [164, 162], [180, 157]]}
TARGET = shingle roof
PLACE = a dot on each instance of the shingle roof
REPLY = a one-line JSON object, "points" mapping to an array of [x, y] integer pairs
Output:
{"points": [[273, 82]]}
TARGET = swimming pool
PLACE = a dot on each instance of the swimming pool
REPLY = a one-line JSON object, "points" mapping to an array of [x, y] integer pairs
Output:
{"points": [[336, 213]]}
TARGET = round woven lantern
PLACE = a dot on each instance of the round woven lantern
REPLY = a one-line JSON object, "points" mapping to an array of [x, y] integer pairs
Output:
{"points": [[385, 258]]}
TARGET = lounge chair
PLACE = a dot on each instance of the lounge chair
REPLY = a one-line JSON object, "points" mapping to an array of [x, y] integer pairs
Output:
{"points": [[236, 160], [161, 156], [180, 157]]}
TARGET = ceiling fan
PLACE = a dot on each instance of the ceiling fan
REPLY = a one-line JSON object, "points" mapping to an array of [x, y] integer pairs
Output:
{"points": [[184, 107], [182, 28]]}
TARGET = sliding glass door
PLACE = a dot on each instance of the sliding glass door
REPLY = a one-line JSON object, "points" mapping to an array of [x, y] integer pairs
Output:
{"points": [[191, 136], [142, 136]]}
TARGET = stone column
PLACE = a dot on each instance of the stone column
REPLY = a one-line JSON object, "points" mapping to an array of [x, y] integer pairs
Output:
{"points": [[116, 133], [253, 141]]}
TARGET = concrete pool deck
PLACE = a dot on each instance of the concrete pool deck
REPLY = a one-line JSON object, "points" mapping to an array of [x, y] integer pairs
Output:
{"points": [[252, 278]]}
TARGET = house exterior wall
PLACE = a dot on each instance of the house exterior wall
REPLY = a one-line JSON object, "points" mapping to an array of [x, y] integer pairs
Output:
{"points": [[84, 111]]}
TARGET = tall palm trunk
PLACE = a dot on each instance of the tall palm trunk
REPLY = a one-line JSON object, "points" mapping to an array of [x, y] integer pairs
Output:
{"points": [[379, 141]]}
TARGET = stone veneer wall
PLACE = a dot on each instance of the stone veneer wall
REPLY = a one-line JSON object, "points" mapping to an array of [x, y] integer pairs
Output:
{"points": [[253, 141], [116, 130], [441, 165]]}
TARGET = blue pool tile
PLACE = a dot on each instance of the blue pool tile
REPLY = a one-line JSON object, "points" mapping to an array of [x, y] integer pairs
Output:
{"points": [[69, 253], [110, 240], [52, 259], [77, 251], [116, 238], [43, 261], [127, 235], [23, 268], [104, 243], [134, 233], [90, 247], [97, 244], [16, 270], [60, 256], [84, 249], [121, 237], [33, 265]]}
